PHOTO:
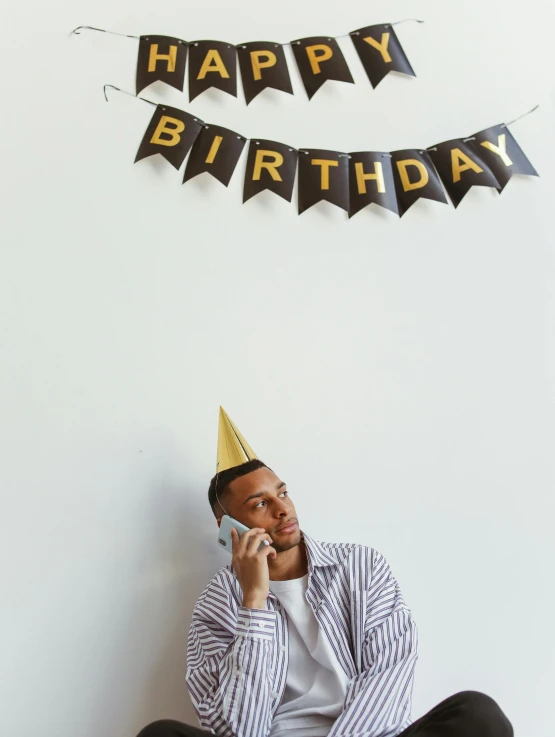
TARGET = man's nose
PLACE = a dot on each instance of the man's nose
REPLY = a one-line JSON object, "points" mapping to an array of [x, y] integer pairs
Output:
{"points": [[282, 506]]}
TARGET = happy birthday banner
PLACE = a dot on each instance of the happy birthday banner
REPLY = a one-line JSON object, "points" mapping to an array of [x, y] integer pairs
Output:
{"points": [[262, 63], [394, 180]]}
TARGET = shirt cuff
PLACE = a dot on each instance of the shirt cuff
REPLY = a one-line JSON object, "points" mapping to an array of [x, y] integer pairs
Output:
{"points": [[258, 623]]}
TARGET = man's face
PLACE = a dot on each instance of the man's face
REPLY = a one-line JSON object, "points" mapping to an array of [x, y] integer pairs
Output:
{"points": [[260, 499]]}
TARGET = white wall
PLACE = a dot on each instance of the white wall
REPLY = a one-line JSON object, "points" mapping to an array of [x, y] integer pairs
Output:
{"points": [[398, 374]]}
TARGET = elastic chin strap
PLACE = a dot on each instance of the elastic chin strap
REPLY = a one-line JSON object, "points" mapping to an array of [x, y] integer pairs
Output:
{"points": [[217, 497]]}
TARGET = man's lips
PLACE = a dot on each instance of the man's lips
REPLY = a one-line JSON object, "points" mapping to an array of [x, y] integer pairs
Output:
{"points": [[288, 528]]}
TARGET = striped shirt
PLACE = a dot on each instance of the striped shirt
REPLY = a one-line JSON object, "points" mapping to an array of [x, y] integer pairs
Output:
{"points": [[237, 657]]}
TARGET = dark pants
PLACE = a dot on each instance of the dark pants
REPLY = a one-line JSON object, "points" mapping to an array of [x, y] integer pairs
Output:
{"points": [[466, 714]]}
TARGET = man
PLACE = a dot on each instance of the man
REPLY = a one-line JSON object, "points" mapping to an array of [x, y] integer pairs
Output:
{"points": [[303, 638]]}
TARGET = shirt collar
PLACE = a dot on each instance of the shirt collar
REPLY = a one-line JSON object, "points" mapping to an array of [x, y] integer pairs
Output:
{"points": [[317, 555]]}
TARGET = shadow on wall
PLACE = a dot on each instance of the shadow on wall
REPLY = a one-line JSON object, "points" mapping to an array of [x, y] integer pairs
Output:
{"points": [[178, 557]]}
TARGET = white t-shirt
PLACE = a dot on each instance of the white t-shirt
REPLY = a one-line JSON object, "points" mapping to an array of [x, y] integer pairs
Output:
{"points": [[316, 683]]}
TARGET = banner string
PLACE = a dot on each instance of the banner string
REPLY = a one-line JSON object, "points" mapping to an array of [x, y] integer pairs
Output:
{"points": [[127, 93], [406, 20], [157, 104], [77, 32], [292, 148], [504, 125]]}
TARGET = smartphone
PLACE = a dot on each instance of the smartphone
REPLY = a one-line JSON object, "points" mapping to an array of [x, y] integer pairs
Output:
{"points": [[224, 533]]}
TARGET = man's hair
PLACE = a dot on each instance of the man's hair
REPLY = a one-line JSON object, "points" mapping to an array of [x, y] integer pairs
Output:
{"points": [[221, 481]]}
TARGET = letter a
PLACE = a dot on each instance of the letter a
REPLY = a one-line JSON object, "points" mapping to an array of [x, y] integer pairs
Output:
{"points": [[461, 162], [213, 63]]}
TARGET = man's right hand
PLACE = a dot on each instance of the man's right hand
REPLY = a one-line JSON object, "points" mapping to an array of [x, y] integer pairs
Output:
{"points": [[251, 565]]}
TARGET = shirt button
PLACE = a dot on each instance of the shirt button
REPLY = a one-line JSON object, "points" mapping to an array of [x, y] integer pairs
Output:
{"points": [[261, 624], [275, 694], [282, 648]]}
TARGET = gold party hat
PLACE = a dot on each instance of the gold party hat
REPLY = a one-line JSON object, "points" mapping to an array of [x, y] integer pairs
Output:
{"points": [[233, 449]]}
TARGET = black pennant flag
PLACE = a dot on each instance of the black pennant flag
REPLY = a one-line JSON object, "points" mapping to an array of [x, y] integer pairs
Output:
{"points": [[270, 165], [161, 58], [323, 175], [319, 59], [415, 176], [212, 64], [262, 65], [216, 151], [460, 166], [502, 154], [171, 132], [371, 181], [380, 52]]}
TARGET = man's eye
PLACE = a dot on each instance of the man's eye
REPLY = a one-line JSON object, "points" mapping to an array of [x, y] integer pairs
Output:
{"points": [[263, 502]]}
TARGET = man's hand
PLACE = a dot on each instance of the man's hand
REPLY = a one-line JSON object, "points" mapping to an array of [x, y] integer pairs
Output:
{"points": [[251, 565]]}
